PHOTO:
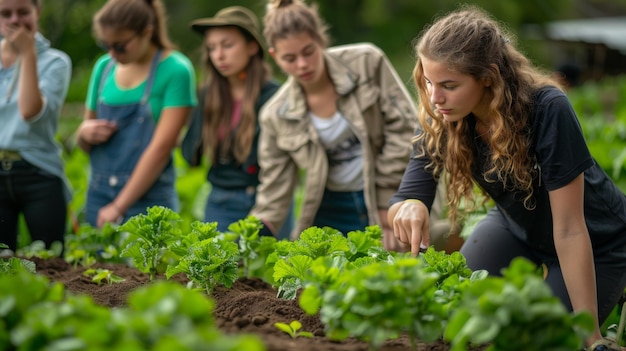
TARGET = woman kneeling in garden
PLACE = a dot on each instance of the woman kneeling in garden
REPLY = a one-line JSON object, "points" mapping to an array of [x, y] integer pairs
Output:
{"points": [[489, 117]]}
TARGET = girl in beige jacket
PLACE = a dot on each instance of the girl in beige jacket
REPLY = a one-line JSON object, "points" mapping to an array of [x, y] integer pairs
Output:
{"points": [[343, 120]]}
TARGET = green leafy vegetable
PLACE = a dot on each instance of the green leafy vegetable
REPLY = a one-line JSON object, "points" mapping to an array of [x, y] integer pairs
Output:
{"points": [[198, 231], [151, 236], [515, 312], [253, 249], [379, 301], [208, 263], [37, 315], [38, 249], [13, 265], [90, 245], [290, 266]]}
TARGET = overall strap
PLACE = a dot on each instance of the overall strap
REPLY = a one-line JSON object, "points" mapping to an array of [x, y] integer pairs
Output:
{"points": [[105, 73], [150, 80]]}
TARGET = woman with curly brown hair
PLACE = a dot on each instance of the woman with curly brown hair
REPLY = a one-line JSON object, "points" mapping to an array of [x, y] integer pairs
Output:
{"points": [[490, 118]]}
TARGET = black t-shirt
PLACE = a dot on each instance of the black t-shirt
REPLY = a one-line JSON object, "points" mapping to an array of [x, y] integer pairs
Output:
{"points": [[561, 154], [227, 173]]}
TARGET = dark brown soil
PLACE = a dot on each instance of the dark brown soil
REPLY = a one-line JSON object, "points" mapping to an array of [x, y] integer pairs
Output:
{"points": [[250, 306]]}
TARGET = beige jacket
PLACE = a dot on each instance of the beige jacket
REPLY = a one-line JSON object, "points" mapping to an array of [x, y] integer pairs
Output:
{"points": [[381, 112]]}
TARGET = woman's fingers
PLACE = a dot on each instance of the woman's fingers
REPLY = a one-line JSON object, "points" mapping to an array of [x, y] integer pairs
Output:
{"points": [[411, 226], [97, 131]]}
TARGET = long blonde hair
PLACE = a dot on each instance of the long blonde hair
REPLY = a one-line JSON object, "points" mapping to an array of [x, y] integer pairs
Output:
{"points": [[470, 42], [218, 111]]}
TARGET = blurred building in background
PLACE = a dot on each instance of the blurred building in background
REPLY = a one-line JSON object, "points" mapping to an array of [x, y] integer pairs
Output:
{"points": [[588, 42], [596, 46]]}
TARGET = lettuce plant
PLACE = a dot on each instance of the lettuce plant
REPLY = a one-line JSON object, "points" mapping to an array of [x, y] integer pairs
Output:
{"points": [[515, 312], [322, 274], [90, 245], [198, 231], [37, 315], [167, 316], [209, 263], [253, 248], [366, 243], [151, 235], [21, 290], [76, 323], [12, 265], [379, 301], [291, 260], [38, 249]]}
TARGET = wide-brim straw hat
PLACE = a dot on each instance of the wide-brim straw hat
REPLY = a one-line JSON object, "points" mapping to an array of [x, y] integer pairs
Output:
{"points": [[232, 16]]}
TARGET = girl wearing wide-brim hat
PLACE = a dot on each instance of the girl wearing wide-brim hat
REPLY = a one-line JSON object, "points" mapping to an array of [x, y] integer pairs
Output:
{"points": [[224, 124]]}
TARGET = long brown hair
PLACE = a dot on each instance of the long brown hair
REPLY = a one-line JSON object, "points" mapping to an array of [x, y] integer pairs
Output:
{"points": [[218, 109], [135, 15], [470, 42], [286, 17]]}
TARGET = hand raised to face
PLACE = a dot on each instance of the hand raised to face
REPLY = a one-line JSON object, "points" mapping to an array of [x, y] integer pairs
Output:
{"points": [[18, 24]]}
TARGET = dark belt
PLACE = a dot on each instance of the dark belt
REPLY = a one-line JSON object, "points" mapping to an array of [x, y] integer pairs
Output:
{"points": [[8, 157]]}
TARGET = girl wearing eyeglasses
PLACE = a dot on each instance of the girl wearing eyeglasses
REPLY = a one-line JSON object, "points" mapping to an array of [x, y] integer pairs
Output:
{"points": [[35, 79], [140, 94]]}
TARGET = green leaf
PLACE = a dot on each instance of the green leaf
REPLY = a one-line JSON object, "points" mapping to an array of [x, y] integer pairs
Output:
{"points": [[285, 328], [310, 300], [295, 325]]}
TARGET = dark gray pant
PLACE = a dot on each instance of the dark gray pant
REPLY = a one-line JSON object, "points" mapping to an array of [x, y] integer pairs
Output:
{"points": [[39, 197], [492, 246]]}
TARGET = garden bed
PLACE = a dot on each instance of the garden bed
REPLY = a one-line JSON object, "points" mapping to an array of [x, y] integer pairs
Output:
{"points": [[250, 306]]}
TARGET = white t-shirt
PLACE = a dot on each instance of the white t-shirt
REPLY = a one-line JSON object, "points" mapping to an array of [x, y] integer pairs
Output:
{"points": [[343, 148]]}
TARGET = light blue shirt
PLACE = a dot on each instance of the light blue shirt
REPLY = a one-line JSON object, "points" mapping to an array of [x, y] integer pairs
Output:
{"points": [[35, 139]]}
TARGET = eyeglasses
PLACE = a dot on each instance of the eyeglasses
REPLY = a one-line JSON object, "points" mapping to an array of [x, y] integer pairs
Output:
{"points": [[118, 48]]}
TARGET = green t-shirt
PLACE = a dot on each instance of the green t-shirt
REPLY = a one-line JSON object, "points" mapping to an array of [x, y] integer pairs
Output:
{"points": [[174, 85]]}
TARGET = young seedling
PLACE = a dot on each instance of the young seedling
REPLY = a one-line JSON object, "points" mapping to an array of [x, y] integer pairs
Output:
{"points": [[38, 249], [99, 275], [293, 329]]}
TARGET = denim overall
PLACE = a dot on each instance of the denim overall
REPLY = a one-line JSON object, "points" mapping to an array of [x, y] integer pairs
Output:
{"points": [[113, 162]]}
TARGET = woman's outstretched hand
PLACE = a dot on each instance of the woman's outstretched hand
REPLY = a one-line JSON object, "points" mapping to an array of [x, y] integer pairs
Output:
{"points": [[390, 243], [411, 225]]}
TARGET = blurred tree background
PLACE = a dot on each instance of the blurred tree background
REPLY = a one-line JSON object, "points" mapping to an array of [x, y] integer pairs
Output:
{"points": [[391, 24]]}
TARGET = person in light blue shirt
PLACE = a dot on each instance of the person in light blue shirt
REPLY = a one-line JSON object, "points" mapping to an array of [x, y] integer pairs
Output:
{"points": [[34, 79]]}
